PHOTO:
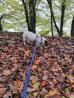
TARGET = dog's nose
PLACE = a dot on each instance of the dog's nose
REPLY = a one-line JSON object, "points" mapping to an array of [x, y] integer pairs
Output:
{"points": [[46, 43]]}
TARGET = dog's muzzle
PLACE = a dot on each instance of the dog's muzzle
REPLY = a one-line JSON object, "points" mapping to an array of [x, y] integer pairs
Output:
{"points": [[46, 43]]}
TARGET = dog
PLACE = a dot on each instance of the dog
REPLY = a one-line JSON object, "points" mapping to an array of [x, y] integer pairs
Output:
{"points": [[32, 37]]}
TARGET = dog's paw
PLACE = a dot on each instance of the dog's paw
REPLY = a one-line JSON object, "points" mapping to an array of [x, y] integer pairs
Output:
{"points": [[24, 43]]}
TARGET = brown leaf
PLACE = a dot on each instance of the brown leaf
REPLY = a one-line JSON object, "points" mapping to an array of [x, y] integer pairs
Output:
{"points": [[37, 62], [2, 90], [45, 72], [6, 72], [44, 83], [54, 96], [45, 77], [34, 67]]}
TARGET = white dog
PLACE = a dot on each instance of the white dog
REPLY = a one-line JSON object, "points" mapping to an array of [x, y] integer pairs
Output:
{"points": [[31, 37]]}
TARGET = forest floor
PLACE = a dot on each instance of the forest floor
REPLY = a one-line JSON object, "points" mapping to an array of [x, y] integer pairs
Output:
{"points": [[52, 74]]}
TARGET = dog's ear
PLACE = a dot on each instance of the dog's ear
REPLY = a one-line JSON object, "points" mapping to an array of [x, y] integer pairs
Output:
{"points": [[46, 43]]}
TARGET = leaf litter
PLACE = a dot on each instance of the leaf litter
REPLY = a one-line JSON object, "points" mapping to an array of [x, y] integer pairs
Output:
{"points": [[52, 74]]}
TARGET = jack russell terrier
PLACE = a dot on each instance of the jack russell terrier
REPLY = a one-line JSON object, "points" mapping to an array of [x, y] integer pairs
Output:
{"points": [[32, 37]]}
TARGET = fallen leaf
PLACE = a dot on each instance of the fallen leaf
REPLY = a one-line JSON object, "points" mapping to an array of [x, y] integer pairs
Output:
{"points": [[6, 72], [71, 96], [6, 96], [34, 67], [36, 85], [33, 79], [45, 77], [54, 96], [45, 72], [44, 83], [53, 92], [2, 90], [35, 94], [37, 62]]}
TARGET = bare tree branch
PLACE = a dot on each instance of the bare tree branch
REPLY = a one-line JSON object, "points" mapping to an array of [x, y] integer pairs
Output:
{"points": [[50, 5]]}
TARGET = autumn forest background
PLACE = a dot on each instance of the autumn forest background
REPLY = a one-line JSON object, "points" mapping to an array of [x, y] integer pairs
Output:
{"points": [[52, 72]]}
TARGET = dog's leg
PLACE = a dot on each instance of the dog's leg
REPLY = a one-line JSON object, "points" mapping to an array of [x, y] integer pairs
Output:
{"points": [[24, 43]]}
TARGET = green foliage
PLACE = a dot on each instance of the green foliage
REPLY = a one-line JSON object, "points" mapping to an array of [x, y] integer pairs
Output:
{"points": [[44, 33], [15, 17], [14, 13]]}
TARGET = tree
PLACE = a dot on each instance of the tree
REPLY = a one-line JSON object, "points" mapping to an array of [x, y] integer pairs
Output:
{"points": [[53, 17], [1, 29], [26, 13], [14, 20], [30, 13], [63, 5], [62, 16], [1, 17], [72, 28], [46, 23], [52, 24]]}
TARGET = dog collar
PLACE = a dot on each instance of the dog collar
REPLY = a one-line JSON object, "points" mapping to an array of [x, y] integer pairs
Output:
{"points": [[36, 39], [41, 40]]}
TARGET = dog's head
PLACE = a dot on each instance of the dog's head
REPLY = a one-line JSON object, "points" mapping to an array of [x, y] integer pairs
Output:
{"points": [[44, 41]]}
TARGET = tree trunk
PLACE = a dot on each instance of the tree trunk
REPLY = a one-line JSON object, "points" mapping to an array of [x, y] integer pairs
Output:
{"points": [[52, 25], [62, 16], [30, 14], [26, 13], [72, 28], [50, 5], [1, 29]]}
